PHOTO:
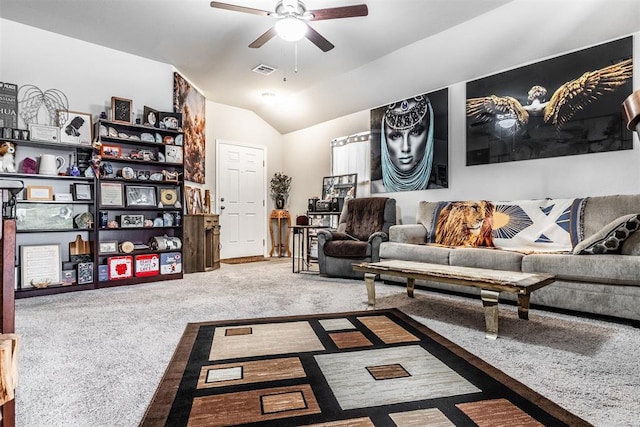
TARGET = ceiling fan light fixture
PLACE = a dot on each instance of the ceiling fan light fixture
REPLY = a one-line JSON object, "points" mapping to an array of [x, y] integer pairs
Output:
{"points": [[291, 28]]}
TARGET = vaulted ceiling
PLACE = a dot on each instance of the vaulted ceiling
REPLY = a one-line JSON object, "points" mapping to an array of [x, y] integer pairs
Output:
{"points": [[364, 70]]}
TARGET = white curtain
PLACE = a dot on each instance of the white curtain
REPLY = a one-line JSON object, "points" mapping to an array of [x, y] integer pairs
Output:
{"points": [[351, 154]]}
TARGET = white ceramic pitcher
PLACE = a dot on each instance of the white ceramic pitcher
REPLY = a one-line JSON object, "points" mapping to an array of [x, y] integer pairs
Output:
{"points": [[51, 164]]}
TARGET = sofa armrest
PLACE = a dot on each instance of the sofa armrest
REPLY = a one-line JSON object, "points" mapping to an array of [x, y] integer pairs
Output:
{"points": [[408, 233]]}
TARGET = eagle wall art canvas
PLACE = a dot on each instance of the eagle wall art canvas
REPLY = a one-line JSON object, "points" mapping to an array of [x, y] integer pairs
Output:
{"points": [[563, 106]]}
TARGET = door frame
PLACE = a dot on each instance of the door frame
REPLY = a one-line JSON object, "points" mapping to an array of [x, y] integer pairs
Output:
{"points": [[263, 148]]}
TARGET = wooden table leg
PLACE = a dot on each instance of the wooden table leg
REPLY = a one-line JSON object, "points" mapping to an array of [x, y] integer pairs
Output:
{"points": [[490, 303], [288, 234], [273, 242], [369, 281], [523, 306], [410, 283]]}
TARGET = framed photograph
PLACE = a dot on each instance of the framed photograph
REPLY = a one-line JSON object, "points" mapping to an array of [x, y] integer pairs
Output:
{"points": [[111, 194], [44, 133], [121, 110], [150, 117], [44, 216], [82, 191], [108, 247], [141, 196], [75, 127], [173, 154], [110, 150], [39, 192], [131, 221], [40, 264], [168, 196]]}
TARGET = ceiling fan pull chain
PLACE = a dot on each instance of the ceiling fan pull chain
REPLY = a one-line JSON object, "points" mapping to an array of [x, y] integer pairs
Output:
{"points": [[295, 52]]}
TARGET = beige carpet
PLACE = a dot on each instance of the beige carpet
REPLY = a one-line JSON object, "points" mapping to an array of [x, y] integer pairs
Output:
{"points": [[95, 358]]}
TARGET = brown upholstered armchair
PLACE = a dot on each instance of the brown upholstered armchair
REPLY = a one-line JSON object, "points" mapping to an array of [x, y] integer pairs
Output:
{"points": [[364, 224]]}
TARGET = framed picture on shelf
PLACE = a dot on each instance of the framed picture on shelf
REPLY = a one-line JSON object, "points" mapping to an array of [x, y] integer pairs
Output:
{"points": [[75, 127], [173, 154], [141, 196], [111, 194], [108, 247], [40, 264], [194, 200], [39, 192], [131, 221], [110, 150], [121, 110], [44, 216], [85, 273], [82, 192], [44, 133], [168, 196], [170, 120], [150, 117]]}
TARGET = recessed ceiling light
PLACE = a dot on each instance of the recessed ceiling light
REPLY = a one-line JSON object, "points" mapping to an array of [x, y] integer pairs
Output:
{"points": [[268, 98]]}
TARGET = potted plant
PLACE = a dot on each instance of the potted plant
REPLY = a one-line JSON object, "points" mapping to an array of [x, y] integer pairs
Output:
{"points": [[280, 186]]}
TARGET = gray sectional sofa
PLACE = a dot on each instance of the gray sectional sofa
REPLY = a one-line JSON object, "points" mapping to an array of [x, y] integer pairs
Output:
{"points": [[588, 280]]}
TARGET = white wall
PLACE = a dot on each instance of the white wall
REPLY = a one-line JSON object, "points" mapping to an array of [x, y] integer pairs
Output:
{"points": [[88, 74], [570, 176], [308, 156]]}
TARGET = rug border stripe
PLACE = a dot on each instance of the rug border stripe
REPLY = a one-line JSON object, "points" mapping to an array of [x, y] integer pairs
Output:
{"points": [[158, 410]]}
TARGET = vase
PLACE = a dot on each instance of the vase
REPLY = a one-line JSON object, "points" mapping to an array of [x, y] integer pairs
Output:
{"points": [[279, 202]]}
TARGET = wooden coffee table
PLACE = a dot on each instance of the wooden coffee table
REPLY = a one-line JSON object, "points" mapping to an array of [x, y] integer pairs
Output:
{"points": [[490, 282]]}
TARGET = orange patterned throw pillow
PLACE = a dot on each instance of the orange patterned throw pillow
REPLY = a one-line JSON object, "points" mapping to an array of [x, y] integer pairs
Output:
{"points": [[466, 223]]}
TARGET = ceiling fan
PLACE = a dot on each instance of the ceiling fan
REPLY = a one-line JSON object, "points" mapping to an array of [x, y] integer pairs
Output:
{"points": [[292, 17]]}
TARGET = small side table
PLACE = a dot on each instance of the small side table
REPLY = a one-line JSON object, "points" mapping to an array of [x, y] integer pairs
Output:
{"points": [[281, 248], [301, 257]]}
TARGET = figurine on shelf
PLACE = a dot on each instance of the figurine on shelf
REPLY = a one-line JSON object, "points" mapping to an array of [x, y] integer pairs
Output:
{"points": [[7, 157]]}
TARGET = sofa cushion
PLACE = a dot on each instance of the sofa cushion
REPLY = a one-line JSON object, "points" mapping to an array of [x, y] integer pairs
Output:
{"points": [[612, 269], [486, 258], [631, 245], [422, 253], [601, 210], [426, 216], [347, 249], [610, 238], [465, 223]]}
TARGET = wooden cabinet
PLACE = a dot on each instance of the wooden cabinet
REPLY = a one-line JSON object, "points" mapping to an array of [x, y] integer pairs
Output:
{"points": [[201, 243]]}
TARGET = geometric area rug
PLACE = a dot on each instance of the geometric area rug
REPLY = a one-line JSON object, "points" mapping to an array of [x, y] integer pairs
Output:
{"points": [[368, 368]]}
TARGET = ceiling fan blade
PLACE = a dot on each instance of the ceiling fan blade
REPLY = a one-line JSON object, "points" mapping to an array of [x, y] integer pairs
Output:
{"points": [[235, 8], [340, 12], [268, 35], [317, 39]]}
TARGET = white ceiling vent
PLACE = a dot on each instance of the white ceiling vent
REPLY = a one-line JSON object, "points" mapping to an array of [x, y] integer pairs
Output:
{"points": [[264, 69]]}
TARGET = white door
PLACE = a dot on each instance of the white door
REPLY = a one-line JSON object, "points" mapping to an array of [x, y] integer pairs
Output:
{"points": [[241, 192]]}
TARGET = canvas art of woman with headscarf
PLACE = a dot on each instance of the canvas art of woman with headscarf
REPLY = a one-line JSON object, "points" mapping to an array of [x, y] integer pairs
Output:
{"points": [[408, 150]]}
